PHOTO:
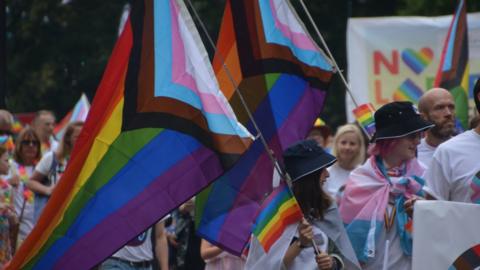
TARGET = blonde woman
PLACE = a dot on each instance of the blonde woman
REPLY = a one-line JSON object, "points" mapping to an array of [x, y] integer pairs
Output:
{"points": [[349, 149]]}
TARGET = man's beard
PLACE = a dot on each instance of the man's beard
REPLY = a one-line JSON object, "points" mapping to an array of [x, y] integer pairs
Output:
{"points": [[441, 132]]}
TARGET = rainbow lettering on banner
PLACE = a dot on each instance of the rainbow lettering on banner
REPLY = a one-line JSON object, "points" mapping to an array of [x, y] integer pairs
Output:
{"points": [[417, 61], [364, 116], [279, 210], [408, 91]]}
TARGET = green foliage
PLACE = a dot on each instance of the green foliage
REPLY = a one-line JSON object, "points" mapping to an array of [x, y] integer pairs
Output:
{"points": [[56, 51]]}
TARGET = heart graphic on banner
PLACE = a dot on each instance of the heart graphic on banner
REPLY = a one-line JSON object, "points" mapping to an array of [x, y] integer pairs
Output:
{"points": [[408, 91], [417, 61]]}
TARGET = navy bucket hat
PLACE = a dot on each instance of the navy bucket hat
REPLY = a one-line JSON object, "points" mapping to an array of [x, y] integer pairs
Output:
{"points": [[306, 157], [398, 119]]}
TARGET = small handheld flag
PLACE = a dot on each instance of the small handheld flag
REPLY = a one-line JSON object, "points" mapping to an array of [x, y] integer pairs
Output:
{"points": [[279, 210], [364, 116]]}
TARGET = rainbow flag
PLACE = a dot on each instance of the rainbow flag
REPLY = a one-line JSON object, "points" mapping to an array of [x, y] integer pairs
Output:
{"points": [[364, 116], [17, 125], [408, 91], [157, 133], [283, 76], [279, 210], [453, 72], [78, 113]]}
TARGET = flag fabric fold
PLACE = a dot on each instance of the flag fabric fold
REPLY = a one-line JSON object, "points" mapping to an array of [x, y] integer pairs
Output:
{"points": [[453, 72], [283, 77], [159, 131]]}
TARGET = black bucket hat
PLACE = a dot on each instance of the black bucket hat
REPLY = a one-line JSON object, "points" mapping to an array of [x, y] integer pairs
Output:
{"points": [[306, 157], [398, 119]]}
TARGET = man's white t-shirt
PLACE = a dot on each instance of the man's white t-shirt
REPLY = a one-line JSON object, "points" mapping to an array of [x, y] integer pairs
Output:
{"points": [[453, 167], [425, 152]]}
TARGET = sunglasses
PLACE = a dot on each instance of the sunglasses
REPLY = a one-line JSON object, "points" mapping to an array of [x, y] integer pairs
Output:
{"points": [[32, 143]]}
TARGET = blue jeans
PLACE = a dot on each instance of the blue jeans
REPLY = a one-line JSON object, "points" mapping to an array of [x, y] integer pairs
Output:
{"points": [[112, 264]]}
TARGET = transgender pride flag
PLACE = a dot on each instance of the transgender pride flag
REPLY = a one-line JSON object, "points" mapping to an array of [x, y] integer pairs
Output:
{"points": [[78, 113]]}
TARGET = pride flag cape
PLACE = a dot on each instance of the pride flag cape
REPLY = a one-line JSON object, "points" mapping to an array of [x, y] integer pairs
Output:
{"points": [[453, 72], [363, 207], [159, 131], [78, 113], [279, 210], [283, 76]]}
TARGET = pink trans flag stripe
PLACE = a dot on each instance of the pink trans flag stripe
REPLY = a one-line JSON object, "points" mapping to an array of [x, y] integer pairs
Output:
{"points": [[301, 40], [211, 102]]}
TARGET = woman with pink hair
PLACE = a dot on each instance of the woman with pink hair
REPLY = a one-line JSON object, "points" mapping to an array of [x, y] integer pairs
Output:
{"points": [[379, 195]]}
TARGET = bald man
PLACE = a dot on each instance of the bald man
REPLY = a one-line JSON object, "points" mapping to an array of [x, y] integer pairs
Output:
{"points": [[437, 106], [454, 172]]}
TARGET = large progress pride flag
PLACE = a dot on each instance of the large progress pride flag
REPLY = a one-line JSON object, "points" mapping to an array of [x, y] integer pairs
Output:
{"points": [[283, 76], [159, 131]]}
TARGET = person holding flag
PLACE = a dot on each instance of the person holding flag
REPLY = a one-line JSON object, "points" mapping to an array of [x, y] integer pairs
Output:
{"points": [[300, 228]]}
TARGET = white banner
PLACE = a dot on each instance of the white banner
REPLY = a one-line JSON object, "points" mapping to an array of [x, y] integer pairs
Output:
{"points": [[383, 55], [446, 235]]}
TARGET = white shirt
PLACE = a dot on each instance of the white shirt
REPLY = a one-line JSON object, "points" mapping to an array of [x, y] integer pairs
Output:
{"points": [[454, 166], [425, 152], [338, 177]]}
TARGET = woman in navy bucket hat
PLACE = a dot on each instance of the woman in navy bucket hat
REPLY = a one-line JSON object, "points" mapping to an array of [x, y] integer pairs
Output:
{"points": [[379, 195], [306, 163]]}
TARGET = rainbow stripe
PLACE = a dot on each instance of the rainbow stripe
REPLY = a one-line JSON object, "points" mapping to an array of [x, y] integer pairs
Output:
{"points": [[417, 61], [139, 155], [278, 211], [364, 116], [469, 259], [453, 71], [283, 77], [408, 91]]}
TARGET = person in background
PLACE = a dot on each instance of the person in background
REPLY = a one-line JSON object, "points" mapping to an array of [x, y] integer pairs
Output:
{"points": [[6, 130], [138, 254], [437, 106], [217, 259], [186, 243], [44, 124], [50, 168], [322, 134], [27, 153], [349, 149], [455, 164], [8, 218], [377, 203]]}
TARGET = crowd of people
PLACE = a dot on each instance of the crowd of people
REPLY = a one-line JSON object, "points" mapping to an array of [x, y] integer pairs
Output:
{"points": [[356, 195]]}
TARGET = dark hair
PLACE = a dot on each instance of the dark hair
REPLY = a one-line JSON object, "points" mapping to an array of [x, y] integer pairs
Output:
{"points": [[25, 133], [310, 195]]}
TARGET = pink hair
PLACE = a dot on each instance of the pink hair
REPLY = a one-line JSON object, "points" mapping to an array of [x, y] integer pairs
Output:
{"points": [[382, 147]]}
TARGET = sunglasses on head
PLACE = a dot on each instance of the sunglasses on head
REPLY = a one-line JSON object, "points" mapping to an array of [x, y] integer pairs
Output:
{"points": [[30, 142]]}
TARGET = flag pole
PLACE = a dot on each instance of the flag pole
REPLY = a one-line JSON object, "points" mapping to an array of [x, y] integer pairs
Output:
{"points": [[324, 44], [237, 91]]}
